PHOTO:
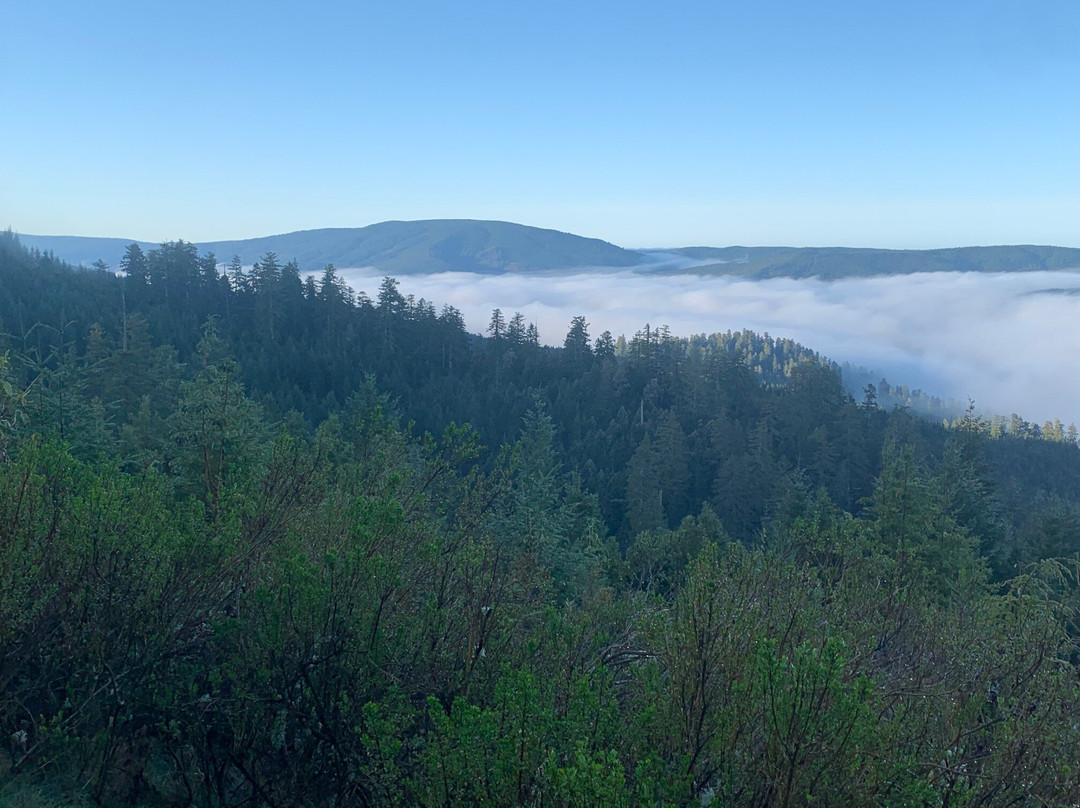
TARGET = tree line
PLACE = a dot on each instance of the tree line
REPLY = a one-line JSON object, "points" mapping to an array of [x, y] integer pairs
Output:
{"points": [[264, 540]]}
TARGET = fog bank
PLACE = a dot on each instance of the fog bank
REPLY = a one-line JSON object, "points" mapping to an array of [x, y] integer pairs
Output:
{"points": [[1009, 341]]}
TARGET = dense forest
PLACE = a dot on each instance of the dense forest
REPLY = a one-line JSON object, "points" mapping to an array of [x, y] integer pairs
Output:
{"points": [[266, 540]]}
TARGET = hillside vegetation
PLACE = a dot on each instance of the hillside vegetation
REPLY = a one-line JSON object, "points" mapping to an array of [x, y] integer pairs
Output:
{"points": [[266, 540]]}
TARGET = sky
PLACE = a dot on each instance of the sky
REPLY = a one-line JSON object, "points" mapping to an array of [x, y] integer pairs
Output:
{"points": [[903, 125]]}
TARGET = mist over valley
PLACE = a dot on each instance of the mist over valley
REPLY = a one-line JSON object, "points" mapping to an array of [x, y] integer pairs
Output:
{"points": [[991, 324], [1004, 340]]}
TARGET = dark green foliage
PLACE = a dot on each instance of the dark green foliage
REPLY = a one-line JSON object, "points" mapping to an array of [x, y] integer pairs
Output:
{"points": [[230, 574]]}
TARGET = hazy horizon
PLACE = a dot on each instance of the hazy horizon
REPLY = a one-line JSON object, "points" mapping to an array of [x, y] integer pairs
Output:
{"points": [[642, 248]]}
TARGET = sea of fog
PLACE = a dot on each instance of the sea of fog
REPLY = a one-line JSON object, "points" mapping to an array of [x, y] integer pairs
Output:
{"points": [[1009, 341]]}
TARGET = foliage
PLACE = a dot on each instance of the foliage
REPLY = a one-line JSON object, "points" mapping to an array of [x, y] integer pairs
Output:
{"points": [[231, 574]]}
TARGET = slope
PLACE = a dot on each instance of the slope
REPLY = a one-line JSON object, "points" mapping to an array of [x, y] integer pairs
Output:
{"points": [[397, 248]]}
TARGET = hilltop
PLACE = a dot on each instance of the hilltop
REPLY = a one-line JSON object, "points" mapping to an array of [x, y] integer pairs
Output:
{"points": [[397, 248]]}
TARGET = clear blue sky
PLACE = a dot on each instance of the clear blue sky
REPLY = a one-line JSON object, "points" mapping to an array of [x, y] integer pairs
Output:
{"points": [[915, 124]]}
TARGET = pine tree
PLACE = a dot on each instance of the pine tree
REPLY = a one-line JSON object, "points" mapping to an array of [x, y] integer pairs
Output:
{"points": [[576, 349], [516, 330], [497, 326]]}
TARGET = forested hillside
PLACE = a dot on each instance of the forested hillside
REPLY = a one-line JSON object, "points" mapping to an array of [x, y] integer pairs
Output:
{"points": [[267, 540]]}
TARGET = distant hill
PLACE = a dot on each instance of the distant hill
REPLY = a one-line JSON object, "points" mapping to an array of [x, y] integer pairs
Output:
{"points": [[464, 245], [397, 248], [83, 250], [833, 263]]}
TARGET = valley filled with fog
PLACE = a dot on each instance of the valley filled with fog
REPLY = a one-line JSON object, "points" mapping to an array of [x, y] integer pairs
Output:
{"points": [[1009, 341]]}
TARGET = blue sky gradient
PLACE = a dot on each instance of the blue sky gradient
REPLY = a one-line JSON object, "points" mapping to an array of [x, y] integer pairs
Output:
{"points": [[909, 125]]}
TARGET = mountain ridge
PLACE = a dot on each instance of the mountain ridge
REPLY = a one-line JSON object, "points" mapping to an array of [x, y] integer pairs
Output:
{"points": [[492, 247], [833, 263], [395, 247]]}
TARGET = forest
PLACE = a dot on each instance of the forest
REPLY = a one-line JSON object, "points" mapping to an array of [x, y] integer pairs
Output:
{"points": [[266, 540]]}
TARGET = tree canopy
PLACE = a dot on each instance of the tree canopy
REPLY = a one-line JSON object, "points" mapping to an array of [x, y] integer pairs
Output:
{"points": [[264, 541]]}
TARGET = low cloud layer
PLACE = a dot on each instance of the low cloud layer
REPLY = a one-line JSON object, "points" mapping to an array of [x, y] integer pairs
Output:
{"points": [[1009, 341]]}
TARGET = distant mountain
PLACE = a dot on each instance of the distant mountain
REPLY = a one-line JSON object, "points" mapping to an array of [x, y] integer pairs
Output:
{"points": [[464, 245], [397, 248], [833, 263]]}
